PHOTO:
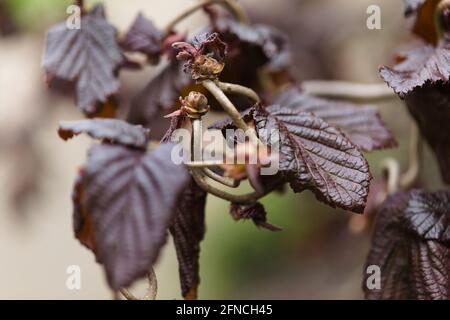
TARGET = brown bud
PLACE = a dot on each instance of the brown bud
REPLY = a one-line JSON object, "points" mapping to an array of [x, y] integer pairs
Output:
{"points": [[195, 105], [205, 67]]}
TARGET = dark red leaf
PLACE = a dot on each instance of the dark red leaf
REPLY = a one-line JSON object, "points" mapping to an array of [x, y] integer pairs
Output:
{"points": [[144, 37], [255, 212], [160, 95], [313, 155], [108, 130], [422, 79], [88, 56], [253, 175], [361, 124], [427, 215], [175, 123], [131, 197], [411, 245], [430, 107], [318, 157], [188, 230], [424, 64], [272, 43]]}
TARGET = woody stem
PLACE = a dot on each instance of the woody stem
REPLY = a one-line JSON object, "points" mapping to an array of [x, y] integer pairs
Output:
{"points": [[415, 158], [199, 175], [230, 5], [391, 169], [229, 182], [229, 108], [151, 290], [348, 90], [238, 89]]}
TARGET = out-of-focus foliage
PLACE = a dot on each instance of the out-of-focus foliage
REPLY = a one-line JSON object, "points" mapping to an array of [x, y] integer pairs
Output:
{"points": [[35, 15]]}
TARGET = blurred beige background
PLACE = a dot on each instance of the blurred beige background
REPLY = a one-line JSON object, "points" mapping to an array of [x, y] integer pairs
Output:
{"points": [[314, 257]]}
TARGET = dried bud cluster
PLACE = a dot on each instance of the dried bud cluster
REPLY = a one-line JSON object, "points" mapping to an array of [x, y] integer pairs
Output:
{"points": [[204, 58], [205, 67]]}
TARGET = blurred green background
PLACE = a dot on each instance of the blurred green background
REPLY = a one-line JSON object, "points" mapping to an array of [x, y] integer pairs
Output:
{"points": [[319, 254]]}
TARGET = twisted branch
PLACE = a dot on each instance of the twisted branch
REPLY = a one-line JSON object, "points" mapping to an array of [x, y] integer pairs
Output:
{"points": [[391, 170], [238, 89], [230, 5], [348, 90], [151, 290], [415, 158], [227, 105], [199, 175], [229, 182]]}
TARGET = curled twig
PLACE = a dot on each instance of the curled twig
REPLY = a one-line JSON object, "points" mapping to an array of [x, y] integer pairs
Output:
{"points": [[229, 108], [204, 164], [151, 290], [415, 158], [348, 90], [229, 182], [230, 5], [391, 169], [199, 175], [396, 181], [238, 89]]}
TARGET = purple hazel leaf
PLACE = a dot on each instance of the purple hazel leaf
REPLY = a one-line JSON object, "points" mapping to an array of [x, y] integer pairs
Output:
{"points": [[313, 155], [264, 39], [424, 64], [175, 123], [188, 230], [160, 95], [108, 130], [428, 215], [131, 197], [422, 79], [318, 157], [411, 245], [361, 124], [254, 177], [430, 108], [144, 37], [88, 56]]}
